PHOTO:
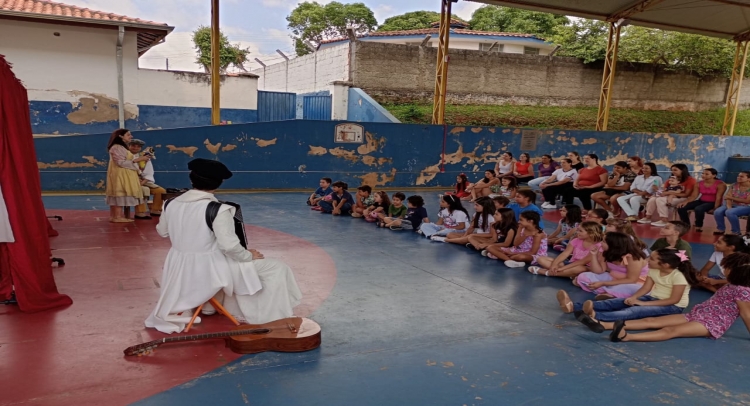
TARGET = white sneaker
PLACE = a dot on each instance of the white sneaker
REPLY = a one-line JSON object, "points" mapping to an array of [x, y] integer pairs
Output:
{"points": [[208, 309], [659, 224], [484, 253], [514, 264], [548, 205], [437, 238], [644, 221]]}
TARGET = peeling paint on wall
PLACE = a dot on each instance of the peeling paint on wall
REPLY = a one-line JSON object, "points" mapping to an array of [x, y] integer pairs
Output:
{"points": [[214, 149], [90, 163], [228, 147], [671, 146], [427, 174], [371, 145], [98, 108], [588, 141], [373, 179], [458, 130], [343, 153], [101, 184], [476, 130], [317, 150], [264, 143], [189, 151]]}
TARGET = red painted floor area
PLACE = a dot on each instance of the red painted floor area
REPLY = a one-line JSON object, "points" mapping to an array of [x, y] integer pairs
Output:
{"points": [[73, 356]]}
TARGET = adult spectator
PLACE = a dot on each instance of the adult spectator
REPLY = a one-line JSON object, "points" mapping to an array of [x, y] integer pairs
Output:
{"points": [[705, 198], [643, 187], [576, 158], [736, 203], [660, 203], [523, 171], [591, 179], [618, 185], [504, 166], [636, 165], [545, 168], [560, 183]]}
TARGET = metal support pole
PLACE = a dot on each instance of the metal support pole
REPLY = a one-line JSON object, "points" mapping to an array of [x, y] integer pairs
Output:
{"points": [[120, 85], [215, 65], [735, 86], [608, 77], [441, 68]]}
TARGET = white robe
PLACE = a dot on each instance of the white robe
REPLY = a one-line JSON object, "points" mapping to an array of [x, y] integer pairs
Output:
{"points": [[202, 263]]}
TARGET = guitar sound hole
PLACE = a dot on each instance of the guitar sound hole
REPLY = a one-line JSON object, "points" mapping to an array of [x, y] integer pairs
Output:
{"points": [[262, 331]]}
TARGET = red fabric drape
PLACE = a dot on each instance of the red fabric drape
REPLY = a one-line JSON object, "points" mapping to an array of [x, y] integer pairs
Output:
{"points": [[25, 264]]}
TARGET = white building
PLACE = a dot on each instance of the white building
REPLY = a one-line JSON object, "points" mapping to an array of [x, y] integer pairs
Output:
{"points": [[79, 65], [460, 38]]}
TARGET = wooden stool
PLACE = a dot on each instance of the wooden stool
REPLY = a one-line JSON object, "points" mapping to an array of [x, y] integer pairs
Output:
{"points": [[219, 308]]}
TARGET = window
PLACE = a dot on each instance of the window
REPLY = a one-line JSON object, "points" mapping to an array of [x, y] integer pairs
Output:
{"points": [[485, 46], [530, 51]]}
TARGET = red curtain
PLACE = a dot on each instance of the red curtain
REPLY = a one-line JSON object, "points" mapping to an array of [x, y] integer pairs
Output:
{"points": [[25, 264]]}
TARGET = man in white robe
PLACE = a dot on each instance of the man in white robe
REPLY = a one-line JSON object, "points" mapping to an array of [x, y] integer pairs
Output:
{"points": [[202, 264]]}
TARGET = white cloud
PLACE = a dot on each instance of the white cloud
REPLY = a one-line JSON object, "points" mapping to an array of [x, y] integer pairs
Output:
{"points": [[383, 11], [465, 9]]}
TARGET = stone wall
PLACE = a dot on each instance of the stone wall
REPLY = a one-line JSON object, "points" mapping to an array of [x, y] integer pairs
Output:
{"points": [[392, 72]]}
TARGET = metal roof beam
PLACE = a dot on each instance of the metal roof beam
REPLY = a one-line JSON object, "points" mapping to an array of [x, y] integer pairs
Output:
{"points": [[636, 8]]}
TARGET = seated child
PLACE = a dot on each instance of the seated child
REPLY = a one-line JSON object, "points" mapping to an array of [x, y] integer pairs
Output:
{"points": [[341, 200], [566, 227], [671, 237], [396, 210], [484, 209], [362, 201], [323, 190], [665, 291], [724, 247], [380, 205], [508, 187], [501, 202], [416, 214], [577, 255], [502, 232], [524, 202], [451, 217], [530, 243], [597, 215], [624, 226], [711, 318], [462, 182]]}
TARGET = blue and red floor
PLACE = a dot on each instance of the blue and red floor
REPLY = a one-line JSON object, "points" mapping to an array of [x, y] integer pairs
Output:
{"points": [[404, 321]]}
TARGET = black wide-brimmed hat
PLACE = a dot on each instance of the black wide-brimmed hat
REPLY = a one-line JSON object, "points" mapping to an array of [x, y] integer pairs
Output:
{"points": [[209, 169]]}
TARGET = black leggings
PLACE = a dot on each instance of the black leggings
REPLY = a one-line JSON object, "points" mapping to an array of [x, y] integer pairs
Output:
{"points": [[550, 193], [584, 195]]}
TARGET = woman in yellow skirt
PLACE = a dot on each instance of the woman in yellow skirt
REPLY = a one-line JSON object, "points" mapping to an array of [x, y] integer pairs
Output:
{"points": [[123, 185]]}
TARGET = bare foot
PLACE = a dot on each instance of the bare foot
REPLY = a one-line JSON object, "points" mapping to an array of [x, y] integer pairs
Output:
{"points": [[564, 300], [588, 308]]}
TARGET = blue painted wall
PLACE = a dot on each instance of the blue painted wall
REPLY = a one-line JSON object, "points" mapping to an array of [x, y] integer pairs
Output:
{"points": [[301, 98], [295, 154], [52, 118], [363, 108]]}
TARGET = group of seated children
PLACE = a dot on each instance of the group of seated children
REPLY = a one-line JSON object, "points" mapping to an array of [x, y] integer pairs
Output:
{"points": [[396, 212]]}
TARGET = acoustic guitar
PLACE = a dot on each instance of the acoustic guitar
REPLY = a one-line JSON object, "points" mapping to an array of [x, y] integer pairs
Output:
{"points": [[293, 334]]}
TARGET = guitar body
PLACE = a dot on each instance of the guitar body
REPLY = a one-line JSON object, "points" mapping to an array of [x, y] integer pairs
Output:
{"points": [[293, 334]]}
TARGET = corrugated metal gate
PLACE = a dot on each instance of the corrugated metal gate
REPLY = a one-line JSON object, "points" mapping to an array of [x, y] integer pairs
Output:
{"points": [[276, 106], [316, 107]]}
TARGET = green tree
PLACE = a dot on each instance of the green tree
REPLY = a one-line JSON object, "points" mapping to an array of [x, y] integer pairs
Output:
{"points": [[413, 20], [583, 39], [229, 54], [314, 22], [587, 40], [508, 19]]}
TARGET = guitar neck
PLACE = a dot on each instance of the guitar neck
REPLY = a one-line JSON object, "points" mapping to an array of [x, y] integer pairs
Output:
{"points": [[207, 336]]}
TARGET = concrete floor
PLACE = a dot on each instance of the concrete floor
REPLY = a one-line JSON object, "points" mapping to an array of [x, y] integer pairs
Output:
{"points": [[409, 321]]}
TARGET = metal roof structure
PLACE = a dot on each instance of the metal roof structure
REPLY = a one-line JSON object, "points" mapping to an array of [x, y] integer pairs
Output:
{"points": [[729, 19]]}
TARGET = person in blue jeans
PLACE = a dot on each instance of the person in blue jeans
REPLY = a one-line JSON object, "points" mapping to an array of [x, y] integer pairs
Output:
{"points": [[736, 203], [341, 200], [665, 291]]}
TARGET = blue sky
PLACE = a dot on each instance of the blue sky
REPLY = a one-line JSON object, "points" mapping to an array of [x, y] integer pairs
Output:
{"points": [[259, 25]]}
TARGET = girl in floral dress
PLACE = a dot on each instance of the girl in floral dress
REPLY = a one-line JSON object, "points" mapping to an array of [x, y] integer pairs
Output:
{"points": [[530, 243], [711, 318]]}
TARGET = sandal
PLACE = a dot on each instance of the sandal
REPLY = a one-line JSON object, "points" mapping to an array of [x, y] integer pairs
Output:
{"points": [[535, 270], [588, 308], [564, 300], [592, 324], [614, 336]]}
